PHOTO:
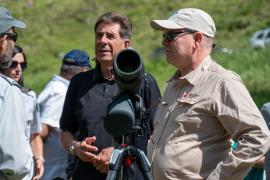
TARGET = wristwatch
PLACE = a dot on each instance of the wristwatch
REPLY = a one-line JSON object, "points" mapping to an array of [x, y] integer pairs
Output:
{"points": [[72, 148]]}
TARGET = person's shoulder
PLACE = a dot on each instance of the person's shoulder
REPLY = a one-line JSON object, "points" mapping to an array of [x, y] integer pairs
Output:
{"points": [[82, 76], [32, 93], [265, 110], [9, 81], [266, 106], [223, 73], [149, 78]]}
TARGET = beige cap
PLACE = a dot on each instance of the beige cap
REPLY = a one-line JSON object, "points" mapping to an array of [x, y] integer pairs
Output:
{"points": [[188, 18]]}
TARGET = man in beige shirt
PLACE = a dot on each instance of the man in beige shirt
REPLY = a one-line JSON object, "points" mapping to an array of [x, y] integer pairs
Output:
{"points": [[203, 109]]}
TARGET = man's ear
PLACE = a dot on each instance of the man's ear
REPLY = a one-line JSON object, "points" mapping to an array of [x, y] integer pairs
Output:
{"points": [[127, 43], [197, 38]]}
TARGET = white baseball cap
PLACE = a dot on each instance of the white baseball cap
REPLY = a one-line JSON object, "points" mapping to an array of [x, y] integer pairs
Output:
{"points": [[187, 18]]}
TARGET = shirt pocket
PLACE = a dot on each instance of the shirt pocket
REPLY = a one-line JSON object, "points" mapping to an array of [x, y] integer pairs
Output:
{"points": [[183, 107]]}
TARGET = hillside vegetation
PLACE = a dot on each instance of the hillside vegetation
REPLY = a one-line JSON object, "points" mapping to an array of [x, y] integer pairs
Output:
{"points": [[55, 27]]}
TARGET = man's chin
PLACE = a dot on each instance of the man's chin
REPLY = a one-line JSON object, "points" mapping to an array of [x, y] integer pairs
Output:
{"points": [[5, 61], [104, 58]]}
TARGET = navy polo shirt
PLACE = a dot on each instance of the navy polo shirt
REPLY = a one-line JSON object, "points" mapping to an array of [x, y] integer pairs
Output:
{"points": [[84, 109]]}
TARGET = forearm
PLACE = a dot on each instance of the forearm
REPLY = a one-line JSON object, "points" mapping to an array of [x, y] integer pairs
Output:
{"points": [[37, 149], [66, 139], [36, 145], [237, 164]]}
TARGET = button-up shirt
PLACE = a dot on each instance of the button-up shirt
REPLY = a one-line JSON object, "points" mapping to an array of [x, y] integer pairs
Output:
{"points": [[199, 114]]}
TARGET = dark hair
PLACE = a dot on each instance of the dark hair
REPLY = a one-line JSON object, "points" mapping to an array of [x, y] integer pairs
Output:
{"points": [[112, 18], [17, 49]]}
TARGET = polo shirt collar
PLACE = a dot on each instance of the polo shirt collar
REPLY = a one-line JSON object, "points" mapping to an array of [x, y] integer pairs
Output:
{"points": [[97, 72]]}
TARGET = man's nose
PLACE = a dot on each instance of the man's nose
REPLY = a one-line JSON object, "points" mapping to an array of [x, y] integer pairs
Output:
{"points": [[103, 39]]}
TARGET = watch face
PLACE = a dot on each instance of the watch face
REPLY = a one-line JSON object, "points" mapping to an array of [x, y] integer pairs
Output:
{"points": [[71, 148]]}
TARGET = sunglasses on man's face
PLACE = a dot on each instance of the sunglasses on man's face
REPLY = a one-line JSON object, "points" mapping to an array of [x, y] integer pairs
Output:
{"points": [[170, 35], [14, 64], [12, 36]]}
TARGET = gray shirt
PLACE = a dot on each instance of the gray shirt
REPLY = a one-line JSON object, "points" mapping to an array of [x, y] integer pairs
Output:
{"points": [[15, 153]]}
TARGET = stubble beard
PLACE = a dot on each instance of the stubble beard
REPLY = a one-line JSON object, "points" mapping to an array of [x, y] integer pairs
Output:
{"points": [[6, 57]]}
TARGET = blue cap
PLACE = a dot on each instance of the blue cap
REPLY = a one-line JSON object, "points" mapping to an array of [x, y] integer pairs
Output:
{"points": [[77, 57], [7, 21]]}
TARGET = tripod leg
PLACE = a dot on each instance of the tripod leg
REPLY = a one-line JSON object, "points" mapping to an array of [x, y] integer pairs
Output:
{"points": [[115, 164], [143, 163]]}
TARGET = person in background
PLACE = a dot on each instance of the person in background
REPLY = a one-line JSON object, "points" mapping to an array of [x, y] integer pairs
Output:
{"points": [[266, 114], [32, 125], [88, 96], [16, 158], [204, 107], [50, 104]]}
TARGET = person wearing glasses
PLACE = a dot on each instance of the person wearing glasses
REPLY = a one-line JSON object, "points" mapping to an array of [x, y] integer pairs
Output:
{"points": [[203, 108], [88, 96], [16, 158], [33, 126]]}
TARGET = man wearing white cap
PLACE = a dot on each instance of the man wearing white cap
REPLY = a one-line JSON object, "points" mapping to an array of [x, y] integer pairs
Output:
{"points": [[203, 108], [16, 159]]}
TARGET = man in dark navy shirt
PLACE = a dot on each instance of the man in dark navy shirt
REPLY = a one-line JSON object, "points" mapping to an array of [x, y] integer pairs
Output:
{"points": [[88, 96]]}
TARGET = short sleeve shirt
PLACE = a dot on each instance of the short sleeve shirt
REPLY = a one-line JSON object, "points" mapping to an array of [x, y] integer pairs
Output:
{"points": [[32, 123]]}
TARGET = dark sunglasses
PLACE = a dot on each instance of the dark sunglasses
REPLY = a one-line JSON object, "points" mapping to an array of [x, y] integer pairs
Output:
{"points": [[12, 36], [14, 64], [169, 36]]}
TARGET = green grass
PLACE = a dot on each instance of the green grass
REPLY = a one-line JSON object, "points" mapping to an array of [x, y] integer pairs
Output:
{"points": [[55, 27]]}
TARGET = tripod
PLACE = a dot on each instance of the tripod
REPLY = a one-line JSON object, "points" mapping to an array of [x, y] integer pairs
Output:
{"points": [[128, 153], [125, 121]]}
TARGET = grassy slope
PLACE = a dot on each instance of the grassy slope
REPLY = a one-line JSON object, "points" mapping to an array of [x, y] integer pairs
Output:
{"points": [[54, 27]]}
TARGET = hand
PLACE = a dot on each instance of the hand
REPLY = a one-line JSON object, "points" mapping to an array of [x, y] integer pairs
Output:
{"points": [[104, 156], [39, 169], [85, 150]]}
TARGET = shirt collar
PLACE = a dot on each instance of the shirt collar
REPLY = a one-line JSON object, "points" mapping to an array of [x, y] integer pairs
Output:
{"points": [[97, 73], [193, 76], [61, 79]]}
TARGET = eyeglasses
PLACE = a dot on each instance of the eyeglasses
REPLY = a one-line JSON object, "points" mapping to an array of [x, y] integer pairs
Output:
{"points": [[169, 36], [14, 64], [12, 36]]}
